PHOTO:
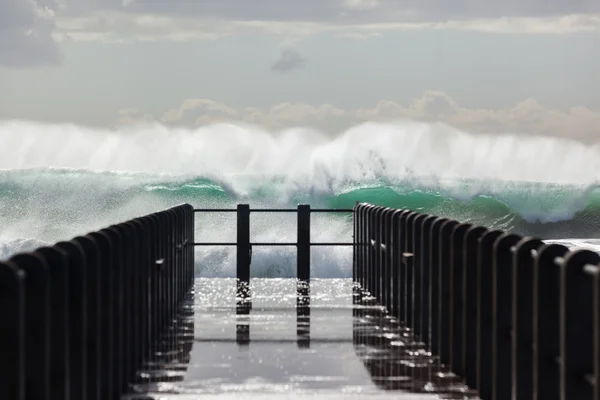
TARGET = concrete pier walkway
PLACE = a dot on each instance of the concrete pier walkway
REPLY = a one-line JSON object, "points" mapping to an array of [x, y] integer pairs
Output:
{"points": [[339, 348]]}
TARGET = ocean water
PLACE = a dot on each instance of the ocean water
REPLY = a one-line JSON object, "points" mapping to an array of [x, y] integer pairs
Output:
{"points": [[58, 181]]}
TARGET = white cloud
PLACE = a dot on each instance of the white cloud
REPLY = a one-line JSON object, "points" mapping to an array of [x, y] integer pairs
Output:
{"points": [[30, 29], [527, 116], [116, 20], [199, 112], [123, 27], [332, 11], [361, 4]]}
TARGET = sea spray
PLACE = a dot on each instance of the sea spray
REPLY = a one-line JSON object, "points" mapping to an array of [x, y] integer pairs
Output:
{"points": [[62, 180]]}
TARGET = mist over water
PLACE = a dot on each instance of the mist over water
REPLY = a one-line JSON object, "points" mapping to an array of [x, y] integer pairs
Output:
{"points": [[58, 181]]}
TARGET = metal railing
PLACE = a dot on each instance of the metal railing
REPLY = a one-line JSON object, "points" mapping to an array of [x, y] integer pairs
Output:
{"points": [[79, 318], [515, 317], [244, 245]]}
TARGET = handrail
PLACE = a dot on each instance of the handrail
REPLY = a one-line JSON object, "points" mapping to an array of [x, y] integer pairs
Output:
{"points": [[275, 210], [511, 315], [274, 244], [81, 317], [244, 245]]}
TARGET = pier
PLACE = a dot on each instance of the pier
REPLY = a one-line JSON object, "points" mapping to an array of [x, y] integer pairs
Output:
{"points": [[435, 308]]}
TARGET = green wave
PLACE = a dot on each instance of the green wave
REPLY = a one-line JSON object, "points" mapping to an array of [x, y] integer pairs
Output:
{"points": [[541, 209], [545, 210]]}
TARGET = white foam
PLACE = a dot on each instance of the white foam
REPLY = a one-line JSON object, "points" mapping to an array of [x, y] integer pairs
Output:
{"points": [[59, 204], [578, 244], [12, 247], [365, 152]]}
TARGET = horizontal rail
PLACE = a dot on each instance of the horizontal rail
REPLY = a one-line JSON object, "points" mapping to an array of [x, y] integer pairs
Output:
{"points": [[275, 210], [220, 210], [216, 244], [332, 210], [302, 244], [273, 244], [333, 244], [275, 340]]}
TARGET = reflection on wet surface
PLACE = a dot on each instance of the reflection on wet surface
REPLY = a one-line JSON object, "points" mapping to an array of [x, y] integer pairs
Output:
{"points": [[289, 340], [169, 359], [395, 358]]}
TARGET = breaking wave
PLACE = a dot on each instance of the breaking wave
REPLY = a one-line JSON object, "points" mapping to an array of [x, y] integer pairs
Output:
{"points": [[58, 181]]}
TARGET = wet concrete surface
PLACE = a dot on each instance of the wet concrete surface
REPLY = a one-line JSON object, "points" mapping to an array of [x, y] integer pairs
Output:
{"points": [[326, 341]]}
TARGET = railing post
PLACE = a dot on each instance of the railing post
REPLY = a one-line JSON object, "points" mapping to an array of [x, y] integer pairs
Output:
{"points": [[355, 232], [577, 325], [502, 328], [244, 251], [522, 317], [546, 328], [303, 256], [37, 324], [77, 318], [435, 284], [59, 324], [458, 319], [12, 341], [471, 270], [446, 295], [395, 260], [484, 314]]}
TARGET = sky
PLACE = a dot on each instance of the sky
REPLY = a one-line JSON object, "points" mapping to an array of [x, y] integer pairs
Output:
{"points": [[528, 67]]}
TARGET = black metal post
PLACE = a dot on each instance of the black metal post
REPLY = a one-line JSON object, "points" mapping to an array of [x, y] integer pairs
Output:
{"points": [[458, 303], [522, 315], [37, 324], [471, 269], [244, 251], [12, 341], [435, 279], [395, 261], [303, 255], [484, 301], [577, 323], [502, 315], [77, 300], [445, 291], [58, 271], [546, 324]]}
